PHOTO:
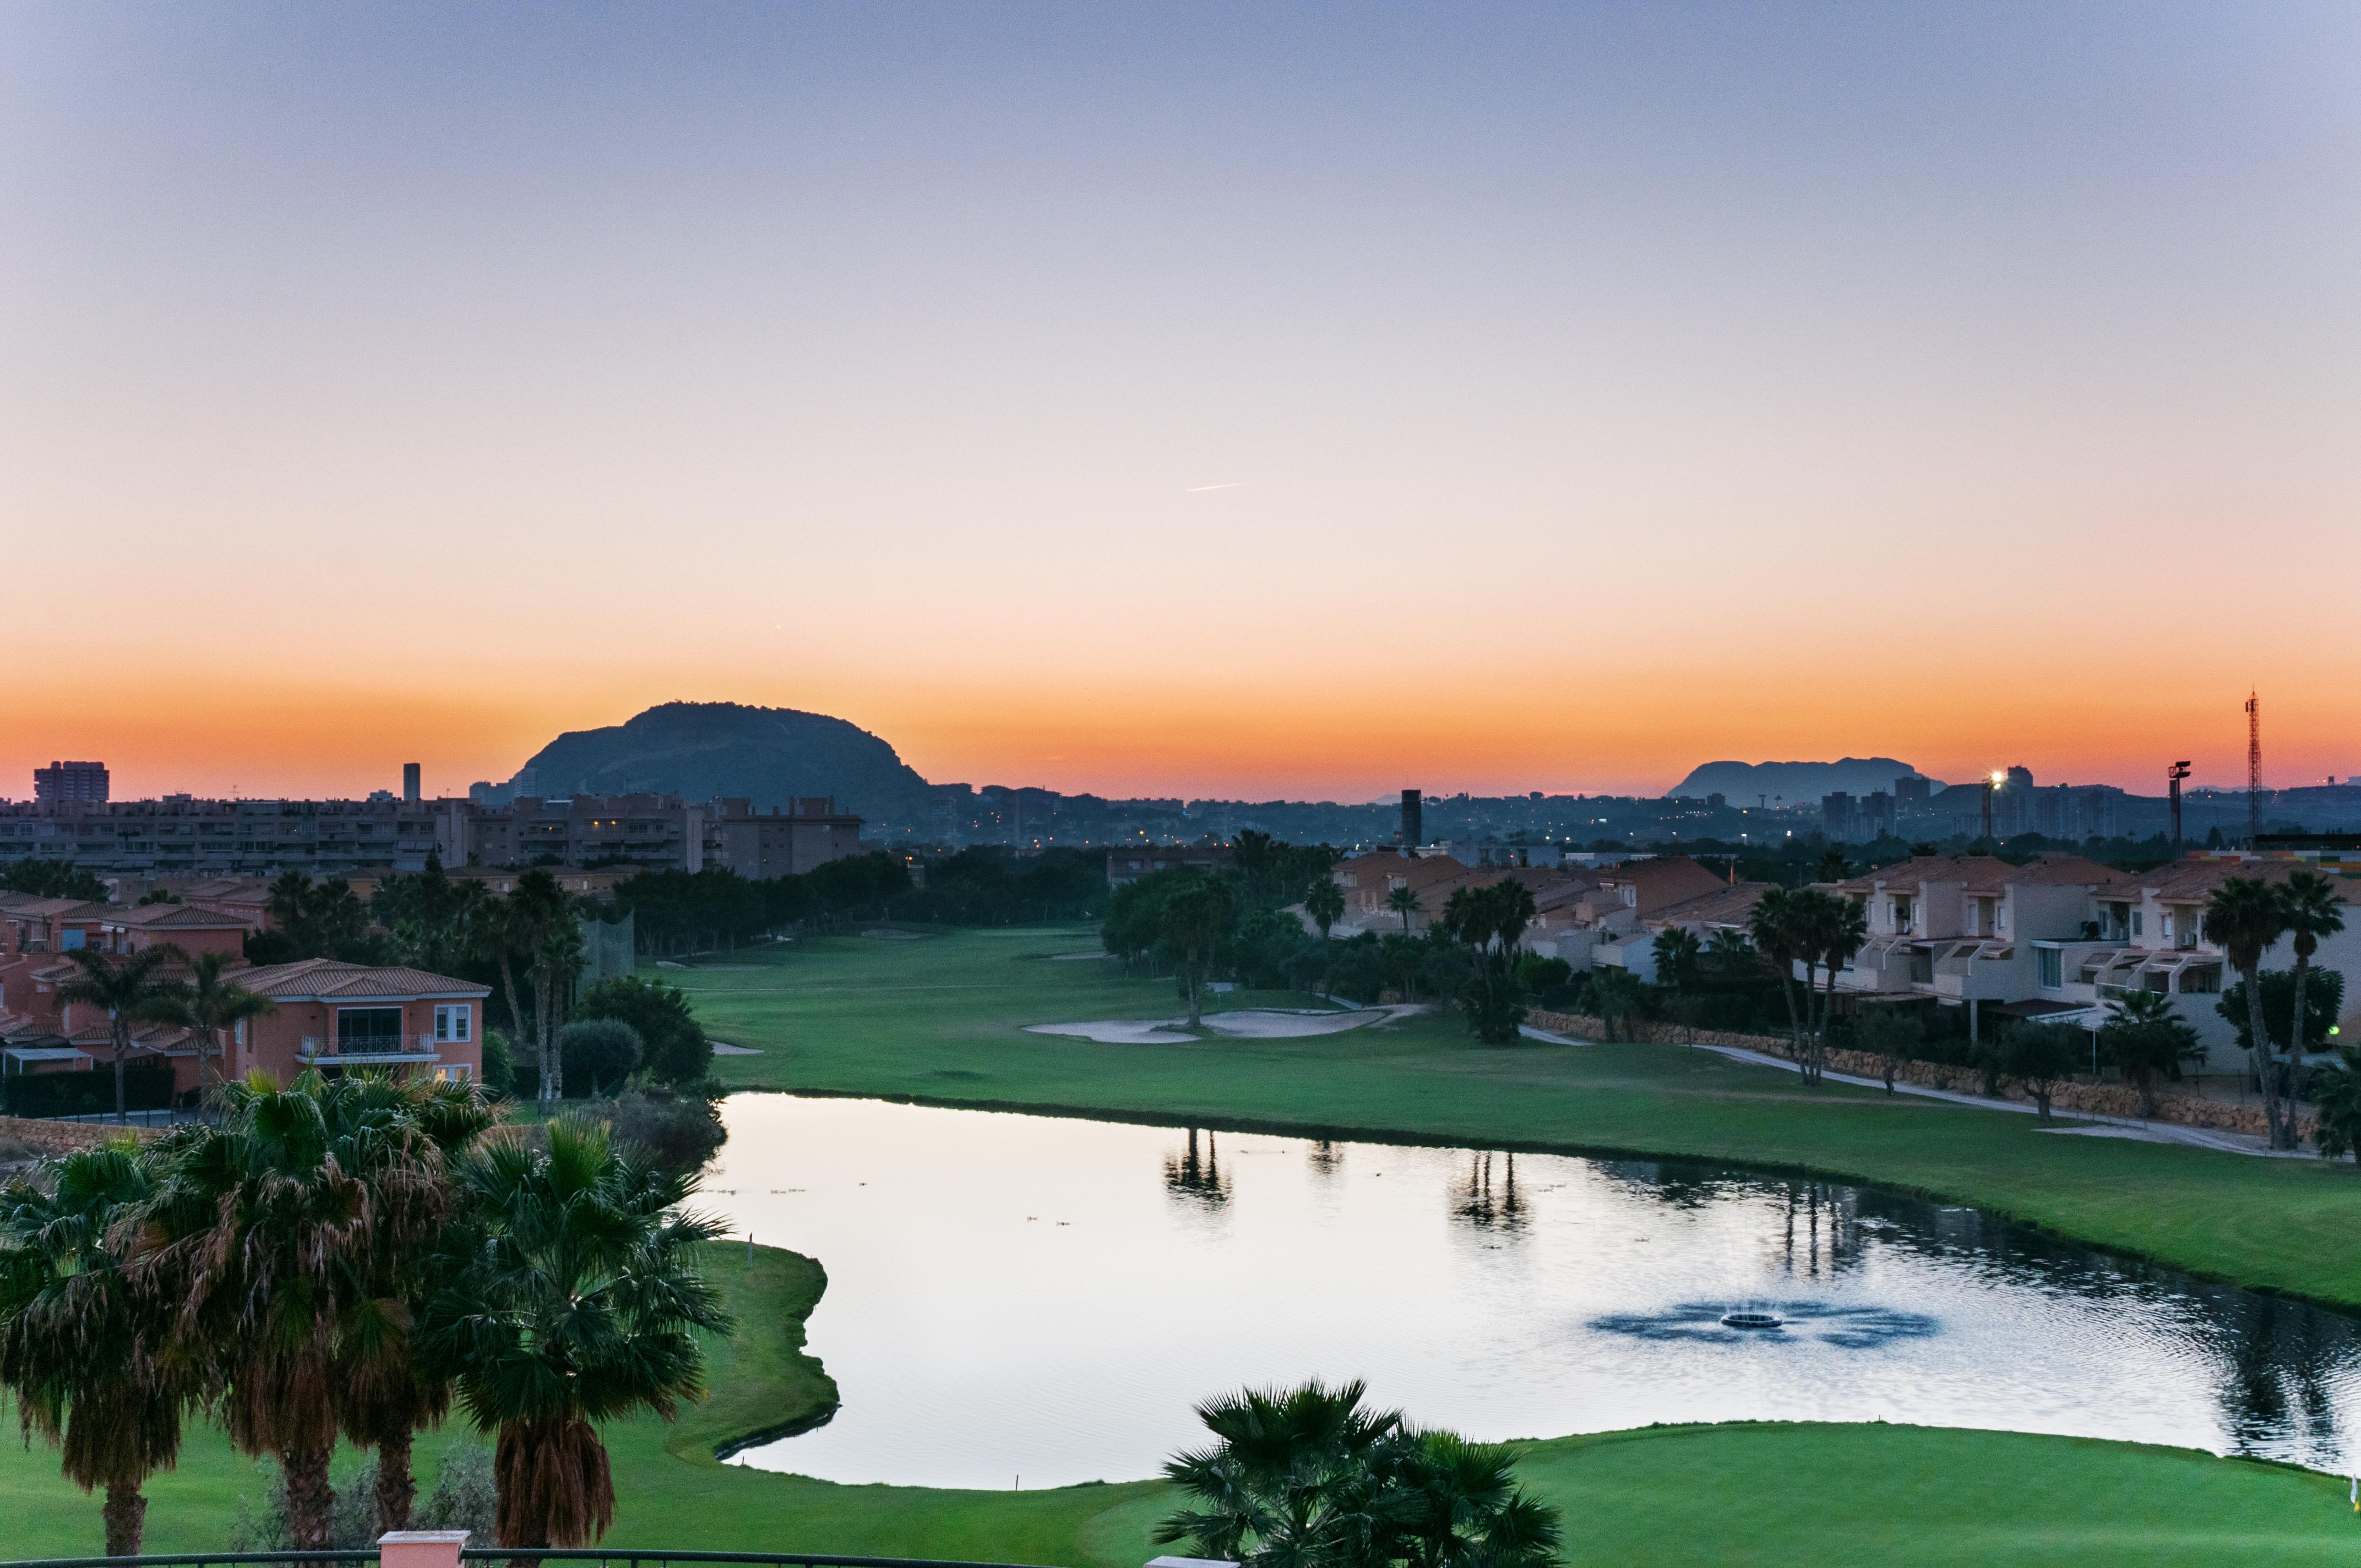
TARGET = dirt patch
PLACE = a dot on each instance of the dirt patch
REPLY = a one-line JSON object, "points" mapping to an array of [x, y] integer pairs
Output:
{"points": [[1246, 1023]]}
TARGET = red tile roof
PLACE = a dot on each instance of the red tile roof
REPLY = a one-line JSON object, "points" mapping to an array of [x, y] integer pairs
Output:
{"points": [[328, 980]]}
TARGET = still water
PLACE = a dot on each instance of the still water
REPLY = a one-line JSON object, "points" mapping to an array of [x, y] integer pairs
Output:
{"points": [[1043, 1298]]}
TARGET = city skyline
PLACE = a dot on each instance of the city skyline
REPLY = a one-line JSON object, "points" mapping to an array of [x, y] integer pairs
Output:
{"points": [[1209, 402]]}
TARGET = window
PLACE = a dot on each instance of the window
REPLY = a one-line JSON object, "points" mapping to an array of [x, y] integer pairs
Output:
{"points": [[457, 1073], [2135, 922], [2053, 966], [368, 1029], [452, 1021]]}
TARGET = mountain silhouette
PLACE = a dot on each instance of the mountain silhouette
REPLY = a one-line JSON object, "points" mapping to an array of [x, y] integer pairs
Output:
{"points": [[699, 750]]}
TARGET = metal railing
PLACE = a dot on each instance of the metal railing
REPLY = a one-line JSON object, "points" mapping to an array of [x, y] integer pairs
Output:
{"points": [[374, 1045]]}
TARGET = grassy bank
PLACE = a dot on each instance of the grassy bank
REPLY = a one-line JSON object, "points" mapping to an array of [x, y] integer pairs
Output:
{"points": [[941, 1018], [1749, 1494]]}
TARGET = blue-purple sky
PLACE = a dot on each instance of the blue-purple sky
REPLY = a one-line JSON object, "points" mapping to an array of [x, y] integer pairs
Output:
{"points": [[1597, 390]]}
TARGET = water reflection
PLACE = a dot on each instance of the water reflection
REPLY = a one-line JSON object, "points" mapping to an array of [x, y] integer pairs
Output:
{"points": [[1507, 1296], [1800, 1322], [1199, 1183], [1478, 1204]]}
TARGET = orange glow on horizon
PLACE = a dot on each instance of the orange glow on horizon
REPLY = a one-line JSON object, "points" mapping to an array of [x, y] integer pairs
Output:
{"points": [[1303, 740]]}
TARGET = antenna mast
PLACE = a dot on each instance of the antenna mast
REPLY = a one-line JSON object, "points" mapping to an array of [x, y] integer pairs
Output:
{"points": [[2254, 767]]}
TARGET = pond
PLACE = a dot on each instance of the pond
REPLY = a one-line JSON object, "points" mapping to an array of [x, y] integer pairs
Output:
{"points": [[1039, 1300]]}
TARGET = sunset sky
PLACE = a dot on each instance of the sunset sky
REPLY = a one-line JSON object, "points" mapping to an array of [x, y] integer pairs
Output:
{"points": [[1237, 399]]}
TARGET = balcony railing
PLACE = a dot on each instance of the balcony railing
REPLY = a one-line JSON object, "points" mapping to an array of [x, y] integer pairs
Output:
{"points": [[368, 1048]]}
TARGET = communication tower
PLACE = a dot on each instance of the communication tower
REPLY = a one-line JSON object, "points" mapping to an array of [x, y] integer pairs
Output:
{"points": [[2254, 766]]}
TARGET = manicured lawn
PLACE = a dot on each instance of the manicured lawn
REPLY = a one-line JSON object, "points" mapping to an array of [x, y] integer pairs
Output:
{"points": [[941, 1019], [1749, 1494]]}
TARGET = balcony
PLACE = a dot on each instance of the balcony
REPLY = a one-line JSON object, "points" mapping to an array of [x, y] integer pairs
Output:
{"points": [[368, 1050]]}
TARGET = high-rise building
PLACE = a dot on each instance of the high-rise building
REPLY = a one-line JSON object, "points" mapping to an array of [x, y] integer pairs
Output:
{"points": [[62, 781], [1413, 819], [409, 782], [1837, 823]]}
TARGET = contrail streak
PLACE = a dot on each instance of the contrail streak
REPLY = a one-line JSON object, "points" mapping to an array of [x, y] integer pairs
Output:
{"points": [[1201, 489]]}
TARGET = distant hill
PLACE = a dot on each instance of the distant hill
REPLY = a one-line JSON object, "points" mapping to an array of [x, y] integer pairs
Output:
{"points": [[699, 750], [1796, 783]]}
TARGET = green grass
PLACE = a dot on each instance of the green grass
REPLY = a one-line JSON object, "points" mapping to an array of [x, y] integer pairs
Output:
{"points": [[1747, 1495], [941, 1019]]}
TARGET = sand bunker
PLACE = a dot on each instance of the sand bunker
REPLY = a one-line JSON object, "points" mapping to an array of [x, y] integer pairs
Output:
{"points": [[724, 1049], [1246, 1023], [1121, 1031]]}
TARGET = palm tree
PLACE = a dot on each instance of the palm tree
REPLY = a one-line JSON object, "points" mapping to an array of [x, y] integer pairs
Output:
{"points": [[539, 924], [209, 1005], [1403, 901], [386, 1392], [2244, 917], [1460, 1506], [2309, 904], [1843, 928], [1731, 953], [128, 987], [91, 1360], [576, 1300], [1194, 918], [2337, 1096], [1614, 995], [1676, 950], [1325, 902], [288, 905], [1772, 923], [1307, 1478], [2145, 1037], [1287, 1483], [272, 1233]]}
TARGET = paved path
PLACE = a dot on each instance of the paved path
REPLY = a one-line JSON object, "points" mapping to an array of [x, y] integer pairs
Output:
{"points": [[2120, 1126]]}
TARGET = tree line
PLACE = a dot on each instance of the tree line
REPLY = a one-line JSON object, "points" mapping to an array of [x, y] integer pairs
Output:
{"points": [[351, 1259]]}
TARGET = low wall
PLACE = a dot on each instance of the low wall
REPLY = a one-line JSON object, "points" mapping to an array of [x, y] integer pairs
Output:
{"points": [[60, 1138], [2092, 1098]]}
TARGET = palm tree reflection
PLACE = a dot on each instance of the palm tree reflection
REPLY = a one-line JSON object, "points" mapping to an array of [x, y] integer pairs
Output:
{"points": [[1194, 1181], [1488, 1207]]}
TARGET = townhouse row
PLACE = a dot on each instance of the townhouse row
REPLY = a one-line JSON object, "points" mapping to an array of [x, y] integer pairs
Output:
{"points": [[2061, 937], [325, 1015], [2058, 938]]}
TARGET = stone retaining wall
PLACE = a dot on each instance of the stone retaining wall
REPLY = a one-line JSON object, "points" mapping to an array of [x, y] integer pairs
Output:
{"points": [[2092, 1098], [61, 1137]]}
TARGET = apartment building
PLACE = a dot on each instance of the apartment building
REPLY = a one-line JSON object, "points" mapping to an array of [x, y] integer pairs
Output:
{"points": [[762, 845], [145, 843], [81, 783], [1129, 865], [181, 835]]}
